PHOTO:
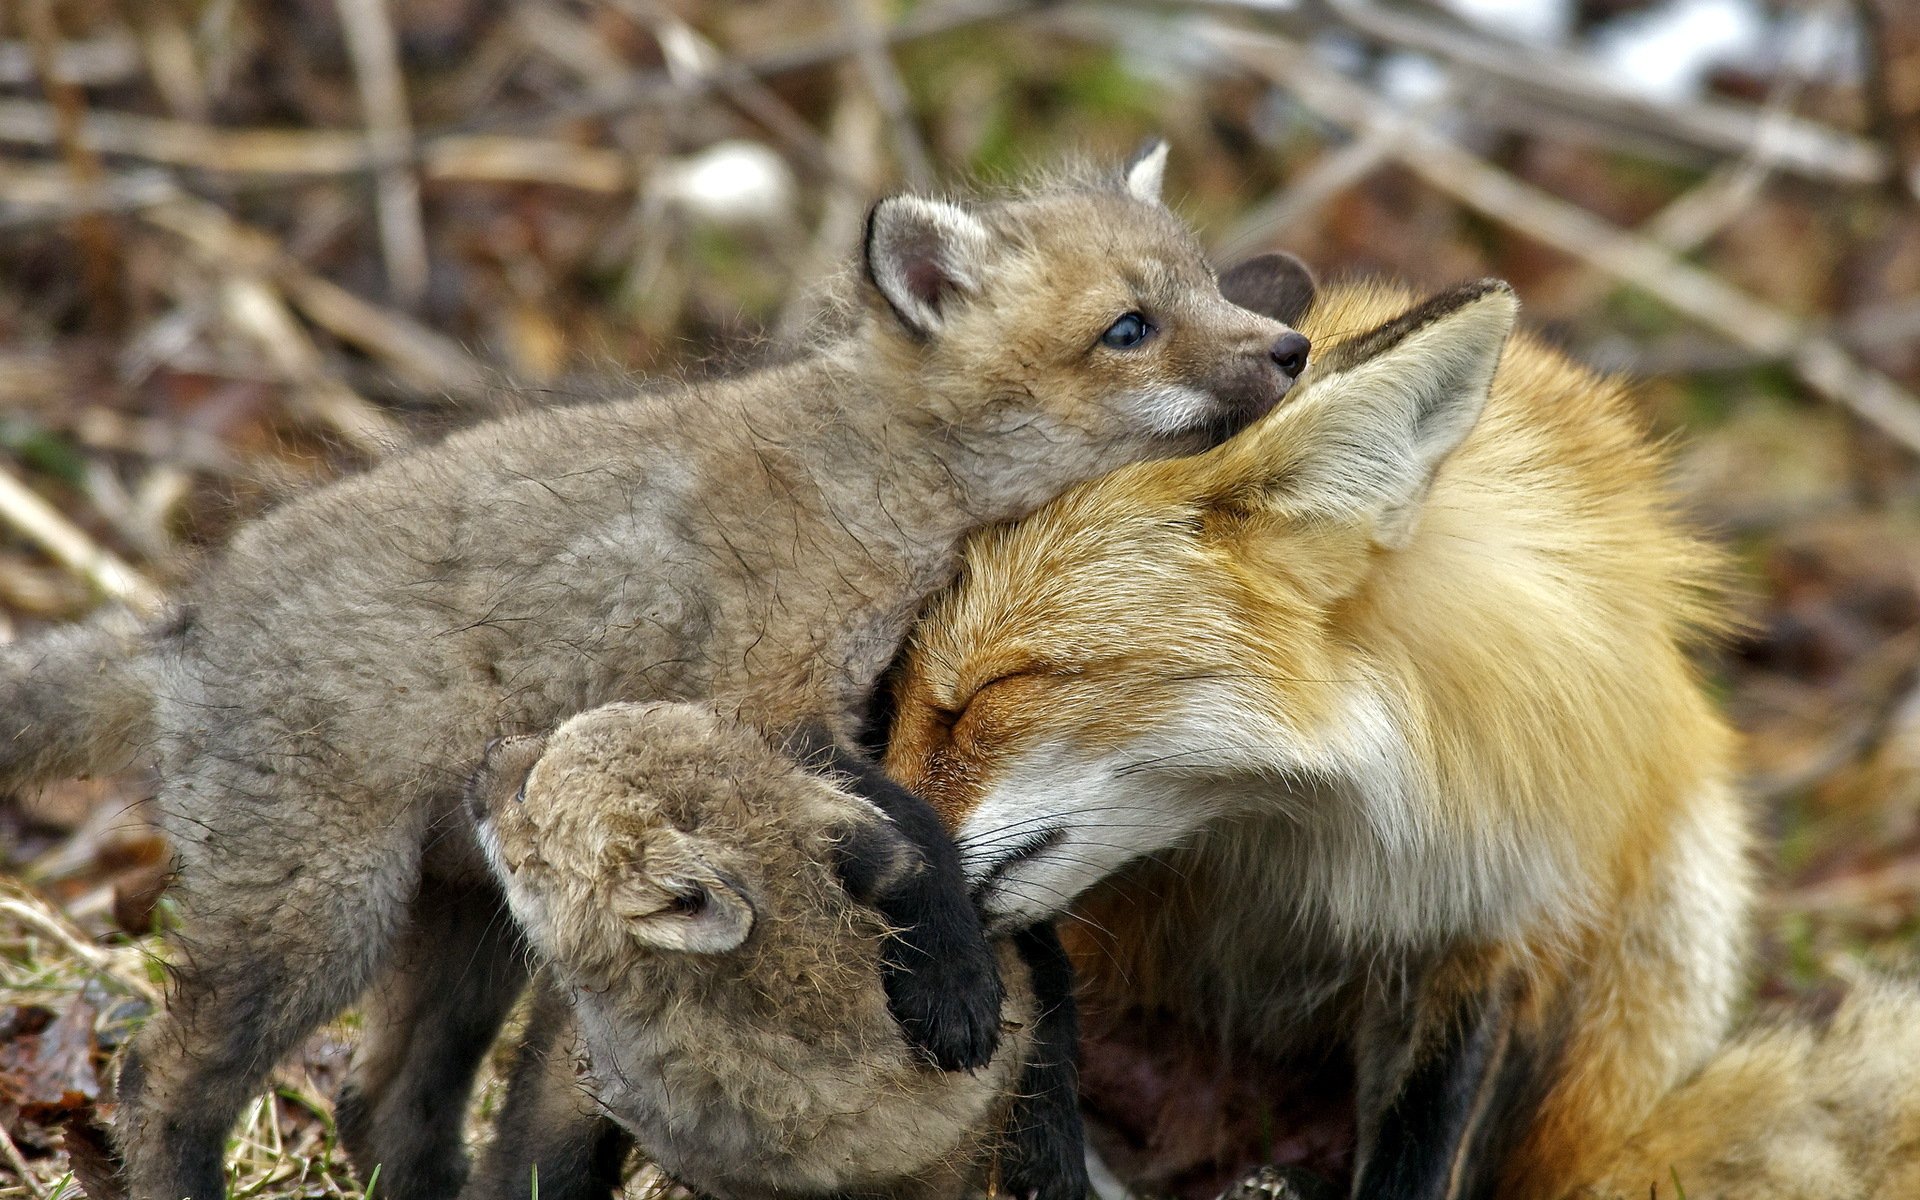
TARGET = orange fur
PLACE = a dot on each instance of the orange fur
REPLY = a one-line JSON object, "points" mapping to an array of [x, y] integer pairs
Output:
{"points": [[1791, 1110], [1342, 744]]}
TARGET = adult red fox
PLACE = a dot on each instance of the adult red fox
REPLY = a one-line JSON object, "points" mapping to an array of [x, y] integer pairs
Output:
{"points": [[1375, 725]]}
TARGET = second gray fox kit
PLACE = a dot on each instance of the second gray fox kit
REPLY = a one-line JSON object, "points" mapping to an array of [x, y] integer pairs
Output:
{"points": [[317, 702], [696, 896]]}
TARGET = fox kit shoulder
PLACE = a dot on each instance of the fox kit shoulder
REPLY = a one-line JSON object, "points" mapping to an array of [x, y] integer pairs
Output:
{"points": [[675, 872], [1389, 699]]}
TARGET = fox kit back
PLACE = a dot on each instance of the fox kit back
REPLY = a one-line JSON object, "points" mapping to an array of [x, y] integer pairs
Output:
{"points": [[318, 700], [676, 873], [1375, 725]]}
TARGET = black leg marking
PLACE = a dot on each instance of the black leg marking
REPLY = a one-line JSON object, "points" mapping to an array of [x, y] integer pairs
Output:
{"points": [[1045, 1154], [1430, 1138]]}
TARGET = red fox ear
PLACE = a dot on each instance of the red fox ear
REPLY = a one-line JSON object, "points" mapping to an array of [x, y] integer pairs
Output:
{"points": [[1274, 285], [921, 255], [1382, 411]]}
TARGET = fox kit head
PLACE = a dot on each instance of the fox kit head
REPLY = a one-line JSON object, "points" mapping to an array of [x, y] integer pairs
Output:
{"points": [[1173, 620], [637, 831], [1071, 329]]}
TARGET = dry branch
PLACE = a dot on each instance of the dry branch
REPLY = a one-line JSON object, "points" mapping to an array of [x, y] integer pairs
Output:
{"points": [[38, 521], [424, 359], [681, 41], [889, 92], [296, 154], [653, 87], [84, 62], [1577, 88], [383, 102]]}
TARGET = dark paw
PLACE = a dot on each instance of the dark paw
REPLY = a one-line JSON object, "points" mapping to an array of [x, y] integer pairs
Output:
{"points": [[1281, 1183], [947, 1000], [1045, 1162]]}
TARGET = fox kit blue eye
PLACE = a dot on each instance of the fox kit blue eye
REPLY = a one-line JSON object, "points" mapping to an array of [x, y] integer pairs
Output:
{"points": [[1126, 333]]}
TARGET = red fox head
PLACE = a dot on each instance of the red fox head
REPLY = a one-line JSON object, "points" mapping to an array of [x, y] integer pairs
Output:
{"points": [[1343, 619]]}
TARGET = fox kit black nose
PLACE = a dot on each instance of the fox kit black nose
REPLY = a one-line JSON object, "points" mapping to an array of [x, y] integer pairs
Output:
{"points": [[1289, 353]]}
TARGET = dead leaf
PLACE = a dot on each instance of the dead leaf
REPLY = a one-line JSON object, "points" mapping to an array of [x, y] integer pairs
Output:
{"points": [[49, 1073]]}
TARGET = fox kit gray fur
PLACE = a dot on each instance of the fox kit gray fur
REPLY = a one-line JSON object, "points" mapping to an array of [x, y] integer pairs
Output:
{"points": [[319, 699], [677, 875]]}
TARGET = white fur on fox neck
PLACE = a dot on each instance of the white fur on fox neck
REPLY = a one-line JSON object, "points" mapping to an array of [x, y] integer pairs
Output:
{"points": [[1346, 816]]}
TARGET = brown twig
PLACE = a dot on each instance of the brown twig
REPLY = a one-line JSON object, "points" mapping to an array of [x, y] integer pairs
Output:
{"points": [[889, 92], [1328, 177], [17, 1163], [1882, 118], [293, 155], [816, 155], [41, 523], [383, 102], [1700, 213], [86, 62], [423, 358], [653, 87], [98, 248], [1569, 83]]}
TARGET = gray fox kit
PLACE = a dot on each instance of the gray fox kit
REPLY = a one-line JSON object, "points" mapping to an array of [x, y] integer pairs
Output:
{"points": [[697, 897], [318, 699]]}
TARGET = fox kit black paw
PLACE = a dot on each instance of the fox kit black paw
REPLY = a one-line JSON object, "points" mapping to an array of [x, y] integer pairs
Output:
{"points": [[944, 988]]}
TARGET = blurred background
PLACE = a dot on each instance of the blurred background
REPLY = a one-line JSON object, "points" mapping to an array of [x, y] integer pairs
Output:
{"points": [[246, 245]]}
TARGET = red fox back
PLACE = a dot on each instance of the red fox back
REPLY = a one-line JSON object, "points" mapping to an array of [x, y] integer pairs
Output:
{"points": [[1386, 706]]}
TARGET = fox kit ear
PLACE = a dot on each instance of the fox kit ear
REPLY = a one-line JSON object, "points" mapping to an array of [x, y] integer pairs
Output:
{"points": [[921, 254], [1146, 171], [701, 913], [1274, 285], [1385, 409]]}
